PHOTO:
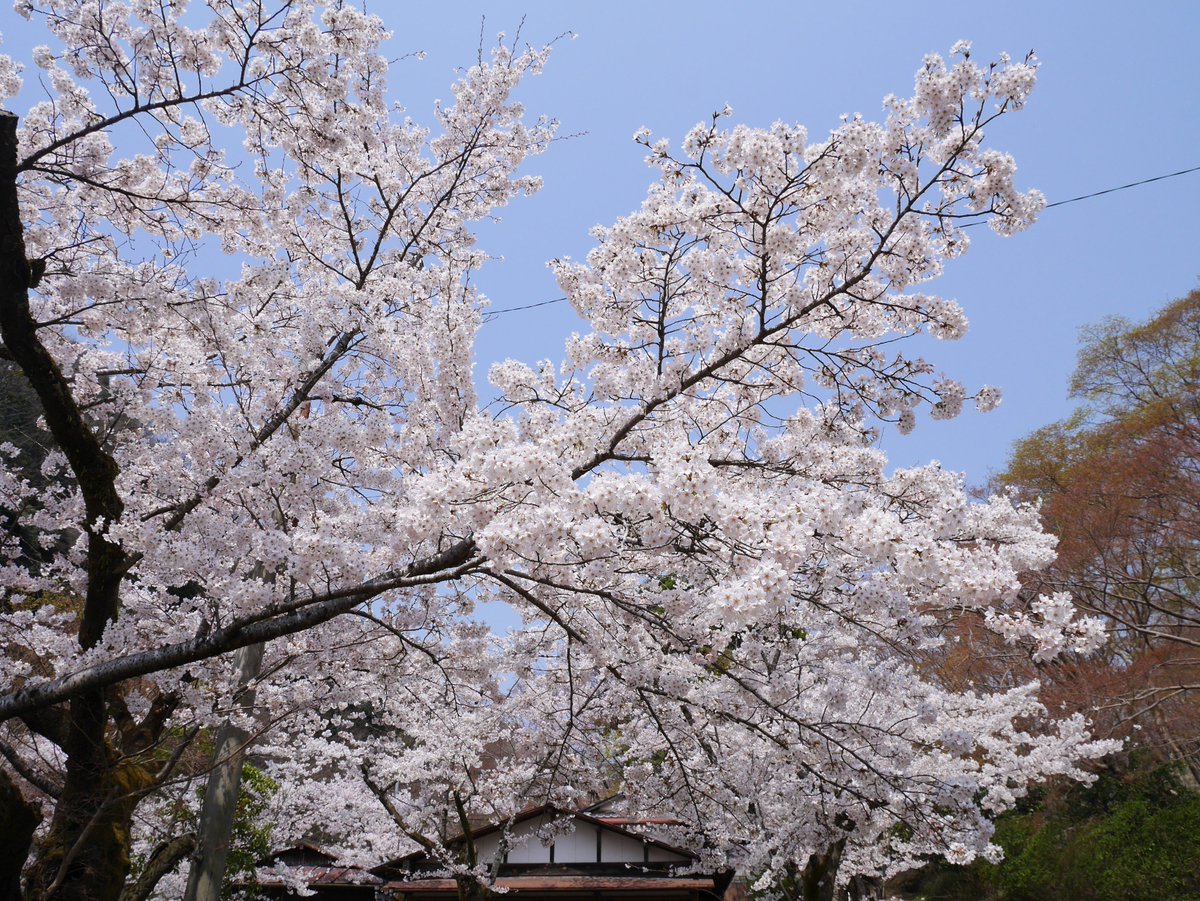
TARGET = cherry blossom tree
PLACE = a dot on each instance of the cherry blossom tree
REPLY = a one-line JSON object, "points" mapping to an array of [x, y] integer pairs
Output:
{"points": [[722, 591]]}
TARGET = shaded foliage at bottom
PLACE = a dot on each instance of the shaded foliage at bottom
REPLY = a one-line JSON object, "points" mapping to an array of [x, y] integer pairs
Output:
{"points": [[1116, 840]]}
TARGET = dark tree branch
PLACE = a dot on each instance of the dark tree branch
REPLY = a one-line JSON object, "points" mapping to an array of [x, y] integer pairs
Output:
{"points": [[287, 620]]}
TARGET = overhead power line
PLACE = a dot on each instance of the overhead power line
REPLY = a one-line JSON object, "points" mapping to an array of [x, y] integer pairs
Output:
{"points": [[1133, 184], [528, 306]]}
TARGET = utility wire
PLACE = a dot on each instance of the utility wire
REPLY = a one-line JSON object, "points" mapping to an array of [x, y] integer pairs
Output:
{"points": [[529, 306], [490, 314], [1132, 184]]}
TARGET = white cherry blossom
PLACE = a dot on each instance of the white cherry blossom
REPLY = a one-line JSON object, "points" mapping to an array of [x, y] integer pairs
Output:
{"points": [[730, 610]]}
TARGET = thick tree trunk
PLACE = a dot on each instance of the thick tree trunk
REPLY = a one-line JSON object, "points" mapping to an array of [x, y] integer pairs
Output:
{"points": [[471, 889], [1186, 767], [18, 821], [86, 854], [818, 879], [221, 794]]}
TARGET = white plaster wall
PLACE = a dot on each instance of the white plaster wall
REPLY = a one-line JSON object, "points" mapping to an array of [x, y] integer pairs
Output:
{"points": [[524, 846], [578, 846], [617, 848]]}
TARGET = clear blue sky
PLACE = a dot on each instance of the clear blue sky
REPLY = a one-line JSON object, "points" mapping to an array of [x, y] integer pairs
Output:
{"points": [[1118, 100]]}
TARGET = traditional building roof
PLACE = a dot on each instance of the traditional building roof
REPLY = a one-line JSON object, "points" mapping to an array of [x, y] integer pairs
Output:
{"points": [[620, 846], [533, 855]]}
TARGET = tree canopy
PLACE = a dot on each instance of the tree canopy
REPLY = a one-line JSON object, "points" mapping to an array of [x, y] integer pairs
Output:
{"points": [[729, 605]]}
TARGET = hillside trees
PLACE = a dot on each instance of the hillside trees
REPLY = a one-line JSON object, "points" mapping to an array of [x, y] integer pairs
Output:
{"points": [[1120, 486], [712, 567]]}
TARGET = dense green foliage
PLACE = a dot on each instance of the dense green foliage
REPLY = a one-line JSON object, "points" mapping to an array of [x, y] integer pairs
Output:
{"points": [[1117, 840]]}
